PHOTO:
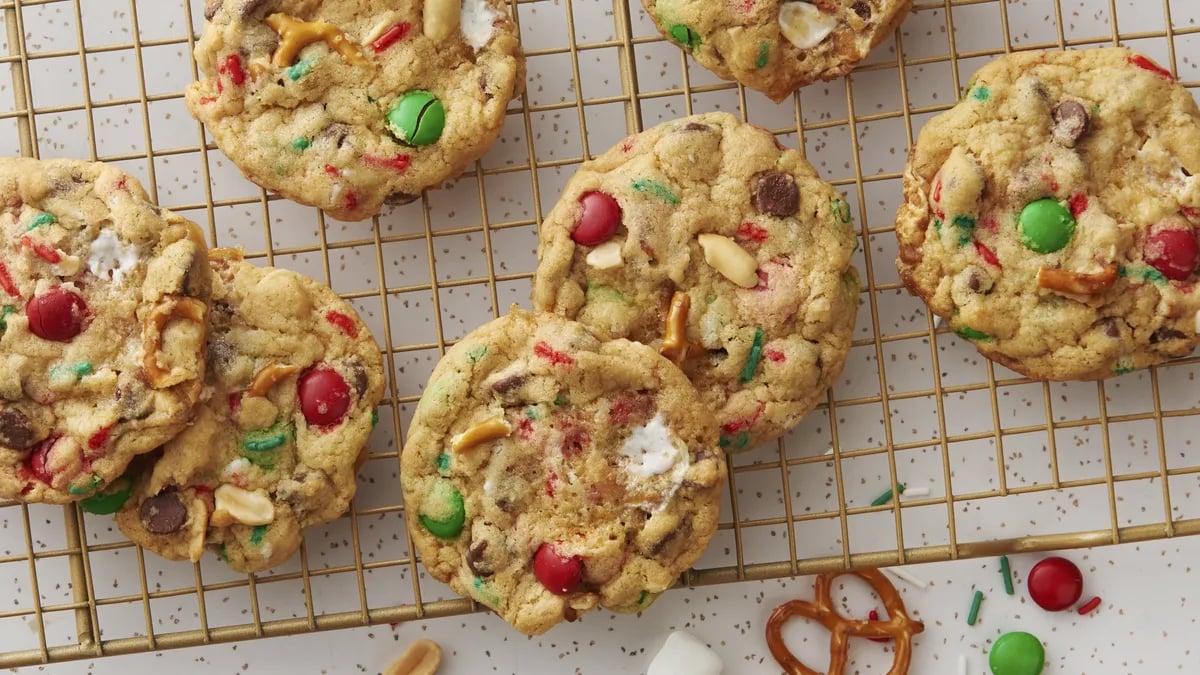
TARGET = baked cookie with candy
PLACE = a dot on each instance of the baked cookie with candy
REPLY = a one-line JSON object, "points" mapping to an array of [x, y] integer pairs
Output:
{"points": [[346, 104], [778, 46], [103, 318], [1051, 215], [705, 239], [547, 473], [293, 381]]}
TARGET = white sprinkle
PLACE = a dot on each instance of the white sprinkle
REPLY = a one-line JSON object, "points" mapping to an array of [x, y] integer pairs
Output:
{"points": [[962, 664], [919, 491], [906, 577]]}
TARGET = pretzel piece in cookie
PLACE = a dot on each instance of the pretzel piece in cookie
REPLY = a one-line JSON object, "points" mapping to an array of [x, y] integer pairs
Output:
{"points": [[675, 342], [1077, 283], [173, 307], [899, 627], [295, 35]]}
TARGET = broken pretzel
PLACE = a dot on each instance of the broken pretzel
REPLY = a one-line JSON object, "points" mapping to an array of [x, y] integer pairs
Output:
{"points": [[675, 342], [1077, 283], [295, 35], [174, 307]]}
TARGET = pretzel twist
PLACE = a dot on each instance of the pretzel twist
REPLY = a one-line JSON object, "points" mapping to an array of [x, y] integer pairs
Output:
{"points": [[173, 307], [295, 35], [899, 627]]}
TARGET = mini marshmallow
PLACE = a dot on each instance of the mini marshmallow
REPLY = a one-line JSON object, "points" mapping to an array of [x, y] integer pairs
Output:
{"points": [[685, 653]]}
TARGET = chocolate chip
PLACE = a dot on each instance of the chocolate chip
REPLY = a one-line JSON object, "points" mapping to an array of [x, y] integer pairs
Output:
{"points": [[507, 384], [1110, 327], [358, 373], [163, 513], [696, 126], [1163, 334], [135, 401], [16, 431], [973, 281], [776, 193], [475, 561], [862, 9], [211, 7], [662, 544], [400, 199], [1071, 122], [570, 614], [334, 134], [504, 504]]}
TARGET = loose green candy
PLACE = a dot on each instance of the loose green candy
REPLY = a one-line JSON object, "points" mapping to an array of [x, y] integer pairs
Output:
{"points": [[684, 35], [442, 511], [1017, 654], [111, 500], [1046, 226], [417, 118]]}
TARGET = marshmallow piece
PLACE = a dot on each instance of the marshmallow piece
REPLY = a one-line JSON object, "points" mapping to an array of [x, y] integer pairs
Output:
{"points": [[805, 25], [685, 653]]}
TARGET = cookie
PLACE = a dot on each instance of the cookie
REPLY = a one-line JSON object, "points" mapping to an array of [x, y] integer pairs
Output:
{"points": [[346, 104], [293, 381], [1050, 216], [777, 47], [547, 473], [103, 318], [705, 239]]}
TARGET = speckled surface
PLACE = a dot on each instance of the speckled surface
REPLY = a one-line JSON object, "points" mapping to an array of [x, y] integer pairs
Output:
{"points": [[1035, 462]]}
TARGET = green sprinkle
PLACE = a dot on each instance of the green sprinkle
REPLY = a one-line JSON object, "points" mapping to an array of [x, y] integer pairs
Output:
{"points": [[643, 596], [256, 535], [93, 485], [968, 333], [4, 312], [764, 54], [973, 615], [887, 495], [1006, 572], [981, 93], [966, 225], [71, 372], [842, 210], [301, 69], [374, 418], [755, 356], [301, 144], [532, 413], [477, 353], [737, 442], [684, 36], [1123, 367], [1096, 109], [560, 400], [40, 220], [1144, 273], [606, 294], [658, 189], [937, 226], [485, 593], [443, 463], [257, 445]]}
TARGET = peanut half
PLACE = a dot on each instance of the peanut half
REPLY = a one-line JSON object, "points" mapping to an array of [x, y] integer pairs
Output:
{"points": [[421, 658], [675, 342], [243, 506], [295, 35], [606, 256], [482, 432], [441, 18], [731, 260], [1077, 283]]}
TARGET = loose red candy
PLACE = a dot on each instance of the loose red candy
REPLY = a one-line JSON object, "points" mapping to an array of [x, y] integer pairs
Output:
{"points": [[324, 396], [57, 314], [601, 216], [559, 575], [1172, 251], [1055, 584]]}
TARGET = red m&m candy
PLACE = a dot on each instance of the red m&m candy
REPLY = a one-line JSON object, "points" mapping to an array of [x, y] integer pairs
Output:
{"points": [[324, 396], [1055, 584], [57, 314], [1171, 248], [559, 575], [600, 218]]}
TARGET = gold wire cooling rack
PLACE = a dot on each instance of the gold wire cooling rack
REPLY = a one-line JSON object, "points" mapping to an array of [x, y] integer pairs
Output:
{"points": [[1007, 464]]}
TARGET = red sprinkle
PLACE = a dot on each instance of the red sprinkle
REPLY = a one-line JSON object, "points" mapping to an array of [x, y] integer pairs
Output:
{"points": [[743, 424], [43, 251], [556, 358], [752, 232], [232, 66], [332, 170], [343, 322], [989, 223], [775, 355], [392, 36], [7, 284], [100, 438], [987, 254], [1145, 63], [763, 279], [1090, 605], [123, 183], [235, 402], [627, 144], [352, 201], [744, 6], [874, 616], [550, 481], [206, 100], [525, 428], [399, 163], [1078, 203]]}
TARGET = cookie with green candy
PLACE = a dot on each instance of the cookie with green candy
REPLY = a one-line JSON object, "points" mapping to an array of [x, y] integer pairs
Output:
{"points": [[293, 381], [351, 104], [547, 473], [1052, 217], [727, 252]]}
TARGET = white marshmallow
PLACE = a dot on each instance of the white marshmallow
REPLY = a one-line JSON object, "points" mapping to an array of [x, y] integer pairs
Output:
{"points": [[804, 25]]}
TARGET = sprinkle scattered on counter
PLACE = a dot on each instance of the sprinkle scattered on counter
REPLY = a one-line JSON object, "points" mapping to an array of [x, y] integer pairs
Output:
{"points": [[976, 601], [1089, 606], [1006, 572], [887, 495], [906, 577], [919, 491]]}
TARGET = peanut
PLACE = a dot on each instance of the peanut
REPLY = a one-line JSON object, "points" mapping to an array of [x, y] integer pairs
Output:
{"points": [[243, 506], [421, 658], [174, 307], [731, 260], [482, 432], [441, 18], [268, 377], [675, 342], [606, 256], [295, 35], [1077, 283]]}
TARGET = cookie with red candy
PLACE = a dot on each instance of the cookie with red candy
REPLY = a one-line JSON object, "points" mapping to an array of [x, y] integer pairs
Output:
{"points": [[1051, 215], [547, 473], [293, 381], [103, 318]]}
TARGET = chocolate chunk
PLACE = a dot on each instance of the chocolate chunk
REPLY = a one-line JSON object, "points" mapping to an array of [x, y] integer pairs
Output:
{"points": [[400, 199], [776, 193], [16, 430], [135, 400], [163, 513], [696, 126], [334, 134], [973, 281], [507, 384], [1110, 327], [862, 9], [358, 373], [1163, 334], [504, 504], [479, 566], [1071, 122]]}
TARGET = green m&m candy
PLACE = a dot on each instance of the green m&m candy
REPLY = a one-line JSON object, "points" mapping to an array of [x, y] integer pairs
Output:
{"points": [[442, 511], [684, 35], [1046, 225], [417, 118], [111, 499], [1017, 654]]}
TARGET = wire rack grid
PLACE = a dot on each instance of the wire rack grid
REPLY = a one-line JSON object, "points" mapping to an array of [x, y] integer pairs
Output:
{"points": [[1009, 464]]}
